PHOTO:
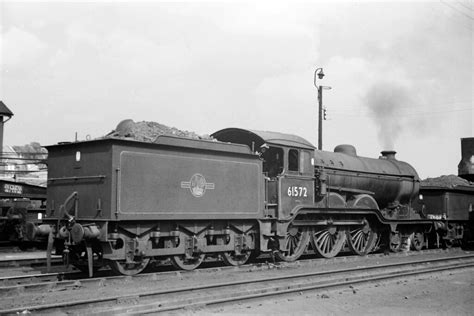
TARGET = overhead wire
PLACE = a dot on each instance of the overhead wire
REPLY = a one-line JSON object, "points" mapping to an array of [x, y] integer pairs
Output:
{"points": [[465, 6], [451, 17], [457, 10]]}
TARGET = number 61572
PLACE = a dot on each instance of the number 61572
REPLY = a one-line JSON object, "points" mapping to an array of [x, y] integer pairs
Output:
{"points": [[297, 191]]}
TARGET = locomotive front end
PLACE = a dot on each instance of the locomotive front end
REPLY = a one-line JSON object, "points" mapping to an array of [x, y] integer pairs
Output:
{"points": [[378, 191]]}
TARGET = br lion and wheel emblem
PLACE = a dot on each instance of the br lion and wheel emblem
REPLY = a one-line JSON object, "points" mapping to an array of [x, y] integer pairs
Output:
{"points": [[197, 185]]}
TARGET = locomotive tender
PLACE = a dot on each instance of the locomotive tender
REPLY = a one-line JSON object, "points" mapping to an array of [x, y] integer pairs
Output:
{"points": [[123, 203]]}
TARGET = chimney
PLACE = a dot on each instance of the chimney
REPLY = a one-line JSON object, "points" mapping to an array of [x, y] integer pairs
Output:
{"points": [[388, 154], [4, 113]]}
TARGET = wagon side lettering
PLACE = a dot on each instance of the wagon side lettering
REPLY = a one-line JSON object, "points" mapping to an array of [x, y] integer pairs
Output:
{"points": [[13, 188]]}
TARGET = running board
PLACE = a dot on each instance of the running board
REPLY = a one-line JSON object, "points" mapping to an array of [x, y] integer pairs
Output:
{"points": [[328, 223]]}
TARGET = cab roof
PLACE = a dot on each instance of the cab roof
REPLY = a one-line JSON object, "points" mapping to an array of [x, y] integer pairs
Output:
{"points": [[255, 139]]}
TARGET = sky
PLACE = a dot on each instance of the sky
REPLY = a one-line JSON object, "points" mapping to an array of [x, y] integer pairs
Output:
{"points": [[401, 73]]}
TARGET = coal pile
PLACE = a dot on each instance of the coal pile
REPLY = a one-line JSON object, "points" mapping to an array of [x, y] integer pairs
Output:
{"points": [[449, 181], [149, 131]]}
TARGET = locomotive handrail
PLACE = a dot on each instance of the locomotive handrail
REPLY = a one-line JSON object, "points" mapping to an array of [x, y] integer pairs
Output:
{"points": [[63, 207], [358, 172], [299, 177], [77, 178], [350, 190]]}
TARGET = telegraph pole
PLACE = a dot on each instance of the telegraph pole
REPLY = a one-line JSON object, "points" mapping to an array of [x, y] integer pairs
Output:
{"points": [[320, 120]]}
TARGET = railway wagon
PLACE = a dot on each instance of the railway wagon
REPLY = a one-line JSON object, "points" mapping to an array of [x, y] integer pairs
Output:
{"points": [[124, 203], [452, 208], [22, 206]]}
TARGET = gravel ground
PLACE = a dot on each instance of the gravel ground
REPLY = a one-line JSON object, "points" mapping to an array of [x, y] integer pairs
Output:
{"points": [[421, 294], [447, 293]]}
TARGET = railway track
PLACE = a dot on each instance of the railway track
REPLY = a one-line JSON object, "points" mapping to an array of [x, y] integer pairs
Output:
{"points": [[200, 291], [23, 282], [22, 259], [24, 264], [35, 277]]}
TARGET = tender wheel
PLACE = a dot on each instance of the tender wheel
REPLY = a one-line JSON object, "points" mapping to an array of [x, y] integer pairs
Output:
{"points": [[294, 243], [181, 262], [418, 241], [395, 242], [327, 243], [361, 241], [231, 259], [124, 268], [186, 262]]}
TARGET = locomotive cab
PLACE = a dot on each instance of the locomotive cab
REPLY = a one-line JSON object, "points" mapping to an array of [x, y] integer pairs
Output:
{"points": [[288, 174], [289, 180], [287, 167], [278, 161]]}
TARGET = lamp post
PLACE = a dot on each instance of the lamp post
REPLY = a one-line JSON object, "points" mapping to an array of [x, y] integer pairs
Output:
{"points": [[319, 73]]}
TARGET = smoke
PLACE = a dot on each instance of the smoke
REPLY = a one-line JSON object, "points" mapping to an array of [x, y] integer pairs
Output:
{"points": [[388, 104]]}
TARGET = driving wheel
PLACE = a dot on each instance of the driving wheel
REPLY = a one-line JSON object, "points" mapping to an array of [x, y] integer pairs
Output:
{"points": [[294, 243], [327, 243], [362, 240]]}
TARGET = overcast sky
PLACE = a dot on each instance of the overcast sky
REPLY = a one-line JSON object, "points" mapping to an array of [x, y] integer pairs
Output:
{"points": [[401, 72]]}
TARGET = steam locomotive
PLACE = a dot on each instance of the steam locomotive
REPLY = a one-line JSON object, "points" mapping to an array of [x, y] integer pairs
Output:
{"points": [[123, 203]]}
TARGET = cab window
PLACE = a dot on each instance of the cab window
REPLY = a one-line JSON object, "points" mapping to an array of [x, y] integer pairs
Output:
{"points": [[293, 160], [305, 162], [273, 161]]}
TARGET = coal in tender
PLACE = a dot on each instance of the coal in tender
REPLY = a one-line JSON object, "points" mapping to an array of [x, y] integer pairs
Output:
{"points": [[148, 131], [446, 181]]}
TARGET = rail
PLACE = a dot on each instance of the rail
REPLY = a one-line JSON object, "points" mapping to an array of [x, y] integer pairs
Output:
{"points": [[139, 301]]}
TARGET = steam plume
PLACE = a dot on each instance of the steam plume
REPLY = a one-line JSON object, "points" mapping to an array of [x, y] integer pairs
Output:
{"points": [[386, 103]]}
